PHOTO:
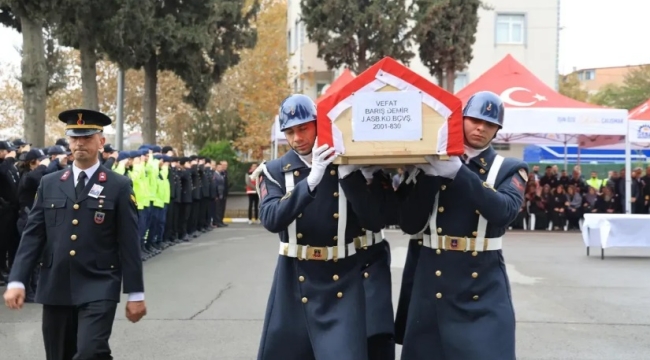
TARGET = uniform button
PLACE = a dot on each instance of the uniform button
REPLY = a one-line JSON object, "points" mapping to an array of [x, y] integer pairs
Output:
{"points": [[335, 238], [474, 233], [299, 235], [73, 253], [363, 230], [475, 297], [332, 172], [296, 173], [439, 230], [474, 253], [301, 278], [478, 212], [438, 251], [366, 275], [339, 295], [304, 300], [420, 242], [336, 194], [112, 267], [443, 187], [335, 277], [336, 215], [75, 206], [441, 209], [438, 272], [75, 222], [73, 237], [482, 171], [439, 295], [474, 275], [300, 215], [41, 264]]}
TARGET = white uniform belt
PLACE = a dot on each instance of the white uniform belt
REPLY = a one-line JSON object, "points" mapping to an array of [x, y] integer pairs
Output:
{"points": [[456, 243], [324, 253]]}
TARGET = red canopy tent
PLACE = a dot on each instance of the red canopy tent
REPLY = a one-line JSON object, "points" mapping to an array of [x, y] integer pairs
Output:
{"points": [[536, 113]]}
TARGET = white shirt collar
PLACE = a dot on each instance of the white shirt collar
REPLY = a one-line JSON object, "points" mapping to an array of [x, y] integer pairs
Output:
{"points": [[89, 172]]}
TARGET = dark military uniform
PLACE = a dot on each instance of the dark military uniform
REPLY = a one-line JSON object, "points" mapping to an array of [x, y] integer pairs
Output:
{"points": [[316, 308], [87, 243], [461, 306]]}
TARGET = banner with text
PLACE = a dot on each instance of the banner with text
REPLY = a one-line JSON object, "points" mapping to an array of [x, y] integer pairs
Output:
{"points": [[387, 116]]}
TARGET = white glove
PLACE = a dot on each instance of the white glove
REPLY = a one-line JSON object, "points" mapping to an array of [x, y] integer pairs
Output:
{"points": [[321, 157], [368, 171], [346, 170], [445, 168]]}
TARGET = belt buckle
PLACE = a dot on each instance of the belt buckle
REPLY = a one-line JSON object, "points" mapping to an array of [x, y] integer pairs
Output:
{"points": [[316, 253], [361, 242], [457, 244]]}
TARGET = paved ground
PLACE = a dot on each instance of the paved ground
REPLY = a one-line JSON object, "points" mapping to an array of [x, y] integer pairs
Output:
{"points": [[206, 301]]}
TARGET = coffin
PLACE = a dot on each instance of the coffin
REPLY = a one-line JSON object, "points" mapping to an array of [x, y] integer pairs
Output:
{"points": [[389, 115]]}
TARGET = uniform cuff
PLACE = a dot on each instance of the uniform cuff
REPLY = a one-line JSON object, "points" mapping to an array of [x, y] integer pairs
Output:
{"points": [[136, 296], [15, 285]]}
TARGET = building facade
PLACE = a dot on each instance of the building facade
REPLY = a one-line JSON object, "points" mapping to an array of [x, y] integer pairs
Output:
{"points": [[528, 30], [594, 79]]}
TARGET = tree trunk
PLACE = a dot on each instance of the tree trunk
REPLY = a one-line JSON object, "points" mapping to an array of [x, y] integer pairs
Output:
{"points": [[88, 74], [149, 123], [34, 81], [450, 79]]}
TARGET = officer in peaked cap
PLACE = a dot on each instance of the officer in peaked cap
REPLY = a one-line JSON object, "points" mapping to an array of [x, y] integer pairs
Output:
{"points": [[84, 227], [322, 213], [83, 122], [459, 288]]}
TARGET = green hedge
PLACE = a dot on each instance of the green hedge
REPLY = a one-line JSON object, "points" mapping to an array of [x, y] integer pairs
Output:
{"points": [[222, 150]]}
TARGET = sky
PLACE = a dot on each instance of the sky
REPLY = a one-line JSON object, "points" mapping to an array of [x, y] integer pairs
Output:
{"points": [[594, 33]]}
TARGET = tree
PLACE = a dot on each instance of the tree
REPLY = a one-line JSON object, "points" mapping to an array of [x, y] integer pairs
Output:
{"points": [[445, 31], [570, 87], [198, 40], [257, 85], [633, 92], [174, 114], [33, 16], [357, 34]]}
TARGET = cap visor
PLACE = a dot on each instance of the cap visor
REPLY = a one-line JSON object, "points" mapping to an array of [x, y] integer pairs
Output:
{"points": [[81, 132]]}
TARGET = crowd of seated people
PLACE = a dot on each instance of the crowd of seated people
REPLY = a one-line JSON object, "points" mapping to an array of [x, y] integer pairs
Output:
{"points": [[557, 202]]}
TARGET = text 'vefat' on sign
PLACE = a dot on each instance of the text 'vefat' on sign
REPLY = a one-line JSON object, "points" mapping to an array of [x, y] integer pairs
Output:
{"points": [[387, 116]]}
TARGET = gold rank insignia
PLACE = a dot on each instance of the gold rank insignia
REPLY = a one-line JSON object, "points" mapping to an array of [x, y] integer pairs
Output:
{"points": [[133, 199], [523, 175]]}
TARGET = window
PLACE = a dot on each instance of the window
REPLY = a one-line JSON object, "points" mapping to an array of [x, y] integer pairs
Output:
{"points": [[298, 34], [319, 88], [510, 29], [501, 146], [460, 82], [588, 74], [289, 42]]}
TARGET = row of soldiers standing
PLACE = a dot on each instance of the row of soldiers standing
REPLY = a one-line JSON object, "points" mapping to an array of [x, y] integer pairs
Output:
{"points": [[178, 197]]}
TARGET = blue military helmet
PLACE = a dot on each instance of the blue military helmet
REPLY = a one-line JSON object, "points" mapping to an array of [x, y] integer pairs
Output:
{"points": [[486, 106], [297, 109]]}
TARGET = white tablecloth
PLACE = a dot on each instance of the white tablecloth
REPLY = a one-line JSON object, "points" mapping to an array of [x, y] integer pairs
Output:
{"points": [[616, 230]]}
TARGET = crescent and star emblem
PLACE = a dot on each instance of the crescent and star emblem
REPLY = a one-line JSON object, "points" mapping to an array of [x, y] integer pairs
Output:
{"points": [[506, 96]]}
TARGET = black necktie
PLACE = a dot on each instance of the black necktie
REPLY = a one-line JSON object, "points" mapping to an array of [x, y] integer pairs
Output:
{"points": [[81, 184]]}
